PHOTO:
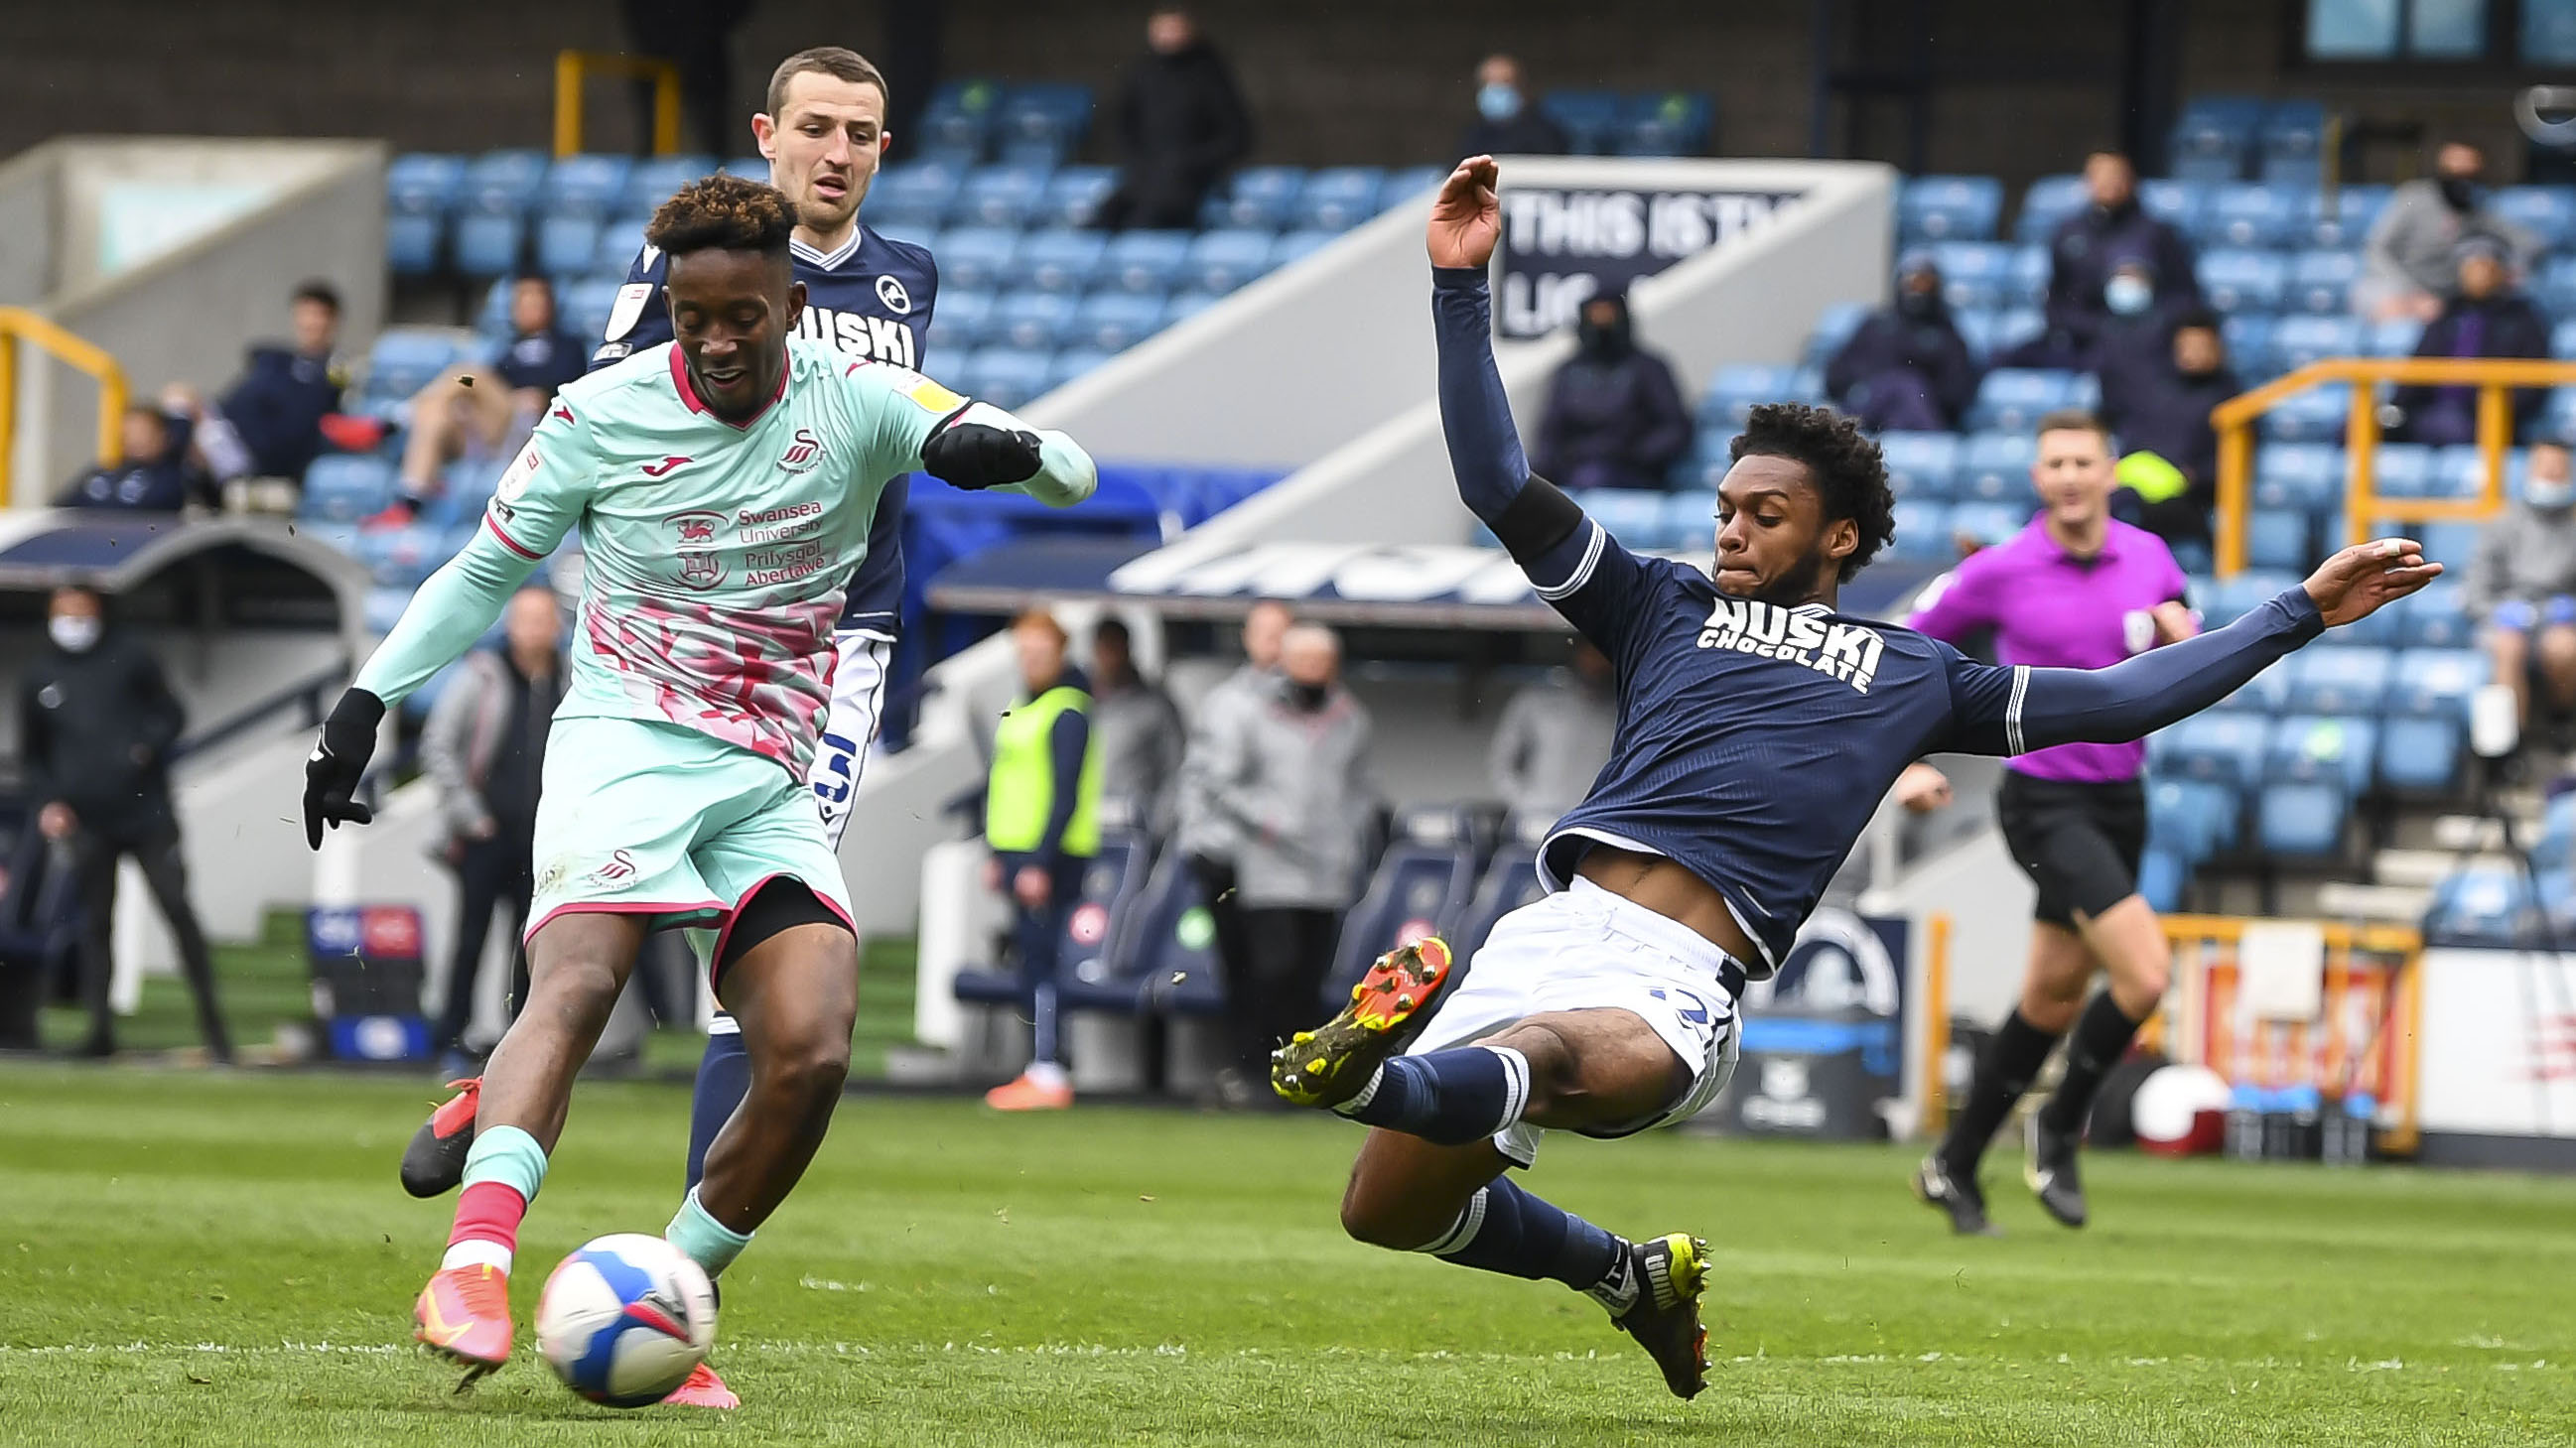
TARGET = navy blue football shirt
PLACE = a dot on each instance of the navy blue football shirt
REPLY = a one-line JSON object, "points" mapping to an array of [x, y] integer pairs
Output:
{"points": [[872, 298], [1755, 740]]}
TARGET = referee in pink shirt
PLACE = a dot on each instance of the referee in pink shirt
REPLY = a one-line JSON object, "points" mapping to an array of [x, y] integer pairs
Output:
{"points": [[2074, 589]]}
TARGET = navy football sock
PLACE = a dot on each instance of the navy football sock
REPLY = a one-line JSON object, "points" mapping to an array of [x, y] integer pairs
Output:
{"points": [[1449, 1098], [1514, 1232], [724, 1078]]}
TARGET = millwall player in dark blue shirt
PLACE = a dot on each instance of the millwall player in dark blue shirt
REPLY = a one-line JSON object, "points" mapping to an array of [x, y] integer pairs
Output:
{"points": [[869, 296], [1758, 729]]}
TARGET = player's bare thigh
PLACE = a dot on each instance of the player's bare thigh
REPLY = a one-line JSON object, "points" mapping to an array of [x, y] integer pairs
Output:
{"points": [[1589, 1068], [1405, 1191]]}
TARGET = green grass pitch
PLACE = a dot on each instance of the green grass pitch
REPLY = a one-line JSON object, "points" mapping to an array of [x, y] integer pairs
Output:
{"points": [[226, 1259]]}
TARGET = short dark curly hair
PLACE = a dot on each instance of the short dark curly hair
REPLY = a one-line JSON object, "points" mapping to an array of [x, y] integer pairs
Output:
{"points": [[724, 212], [1840, 459]]}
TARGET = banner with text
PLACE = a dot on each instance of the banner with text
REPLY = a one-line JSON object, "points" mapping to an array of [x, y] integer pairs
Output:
{"points": [[1565, 244]]}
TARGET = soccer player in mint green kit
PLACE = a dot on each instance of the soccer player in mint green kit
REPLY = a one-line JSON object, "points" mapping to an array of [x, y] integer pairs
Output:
{"points": [[723, 485]]}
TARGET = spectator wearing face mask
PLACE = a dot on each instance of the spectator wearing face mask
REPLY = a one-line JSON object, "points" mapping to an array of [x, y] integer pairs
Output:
{"points": [[96, 724], [2082, 257], [1907, 368], [2485, 317], [2169, 474], [2522, 585], [1614, 415], [1508, 122], [2411, 255]]}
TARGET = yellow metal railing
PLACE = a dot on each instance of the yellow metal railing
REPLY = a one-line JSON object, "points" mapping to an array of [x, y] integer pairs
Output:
{"points": [[17, 324], [2364, 508], [2365, 1037], [575, 67]]}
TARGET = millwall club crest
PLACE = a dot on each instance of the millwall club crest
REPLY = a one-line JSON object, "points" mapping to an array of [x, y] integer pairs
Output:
{"points": [[693, 535], [890, 291], [803, 454]]}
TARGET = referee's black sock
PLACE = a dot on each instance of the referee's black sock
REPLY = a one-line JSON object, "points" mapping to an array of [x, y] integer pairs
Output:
{"points": [[2100, 1038], [2011, 1062]]}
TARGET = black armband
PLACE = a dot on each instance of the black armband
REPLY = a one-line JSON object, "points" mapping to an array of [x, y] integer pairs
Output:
{"points": [[1539, 517]]}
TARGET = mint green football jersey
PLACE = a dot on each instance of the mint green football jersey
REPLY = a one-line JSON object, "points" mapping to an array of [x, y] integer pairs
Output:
{"points": [[714, 554]]}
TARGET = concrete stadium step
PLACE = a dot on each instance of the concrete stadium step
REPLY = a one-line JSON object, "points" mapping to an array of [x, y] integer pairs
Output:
{"points": [[2427, 868], [2342, 900]]}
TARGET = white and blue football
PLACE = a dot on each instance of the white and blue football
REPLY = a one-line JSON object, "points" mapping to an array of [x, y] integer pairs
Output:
{"points": [[624, 1320]]}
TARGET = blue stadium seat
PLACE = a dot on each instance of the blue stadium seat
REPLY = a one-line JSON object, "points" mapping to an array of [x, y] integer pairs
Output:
{"points": [[2316, 415], [1145, 261], [2178, 204], [2162, 875], [2554, 290], [2461, 472], [2253, 214], [2301, 819], [958, 123], [1073, 195], [915, 194], [2230, 599], [2481, 905], [405, 359], [2248, 339], [1990, 523], [1296, 246], [2420, 754], [487, 244], [1071, 363], [1949, 208], [962, 320], [651, 180], [2267, 693], [2437, 617], [1510, 882], [1096, 970], [503, 183], [1666, 123], [1000, 195], [2339, 750], [1921, 465], [1735, 390], [2278, 538], [1422, 886], [1040, 123], [411, 242], [424, 183], [2305, 475], [1978, 329], [2236, 280], [2010, 330], [2402, 469], [1259, 197], [1035, 321], [1996, 465], [2220, 748], [978, 256], [586, 304], [1690, 522], [749, 168], [402, 557], [1834, 326], [345, 488], [2213, 136], [620, 242], [1220, 261], [588, 185], [1337, 198], [1056, 261], [382, 608], [2011, 399], [2339, 221], [2395, 337], [1634, 516], [2298, 341], [1173, 940], [2321, 282], [566, 242], [1115, 321], [2049, 201], [2291, 141], [1006, 376], [1412, 185], [1186, 305], [2548, 212], [2193, 817], [2026, 280], [1974, 274], [1590, 118], [1923, 531], [2337, 679]]}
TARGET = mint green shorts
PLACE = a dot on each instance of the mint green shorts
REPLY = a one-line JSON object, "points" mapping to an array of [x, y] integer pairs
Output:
{"points": [[652, 819]]}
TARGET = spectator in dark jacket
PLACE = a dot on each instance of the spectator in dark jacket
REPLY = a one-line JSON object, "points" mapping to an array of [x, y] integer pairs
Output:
{"points": [[2081, 256], [270, 423], [2169, 465], [1507, 122], [154, 475], [2485, 318], [96, 722], [1180, 121], [1907, 368], [1614, 416], [2135, 336]]}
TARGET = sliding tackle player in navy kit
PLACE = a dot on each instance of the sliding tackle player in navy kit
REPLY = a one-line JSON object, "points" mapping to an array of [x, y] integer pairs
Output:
{"points": [[1758, 730]]}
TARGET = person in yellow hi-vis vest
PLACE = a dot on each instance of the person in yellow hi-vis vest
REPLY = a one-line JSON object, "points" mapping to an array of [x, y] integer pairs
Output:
{"points": [[1042, 820]]}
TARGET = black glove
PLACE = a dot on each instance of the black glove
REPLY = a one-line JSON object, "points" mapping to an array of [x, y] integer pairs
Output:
{"points": [[339, 761], [972, 456]]}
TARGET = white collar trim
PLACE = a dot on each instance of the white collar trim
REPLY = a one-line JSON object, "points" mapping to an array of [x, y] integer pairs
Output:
{"points": [[827, 260]]}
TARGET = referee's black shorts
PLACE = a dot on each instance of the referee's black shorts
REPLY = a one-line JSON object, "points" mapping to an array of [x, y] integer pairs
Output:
{"points": [[2078, 841]]}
